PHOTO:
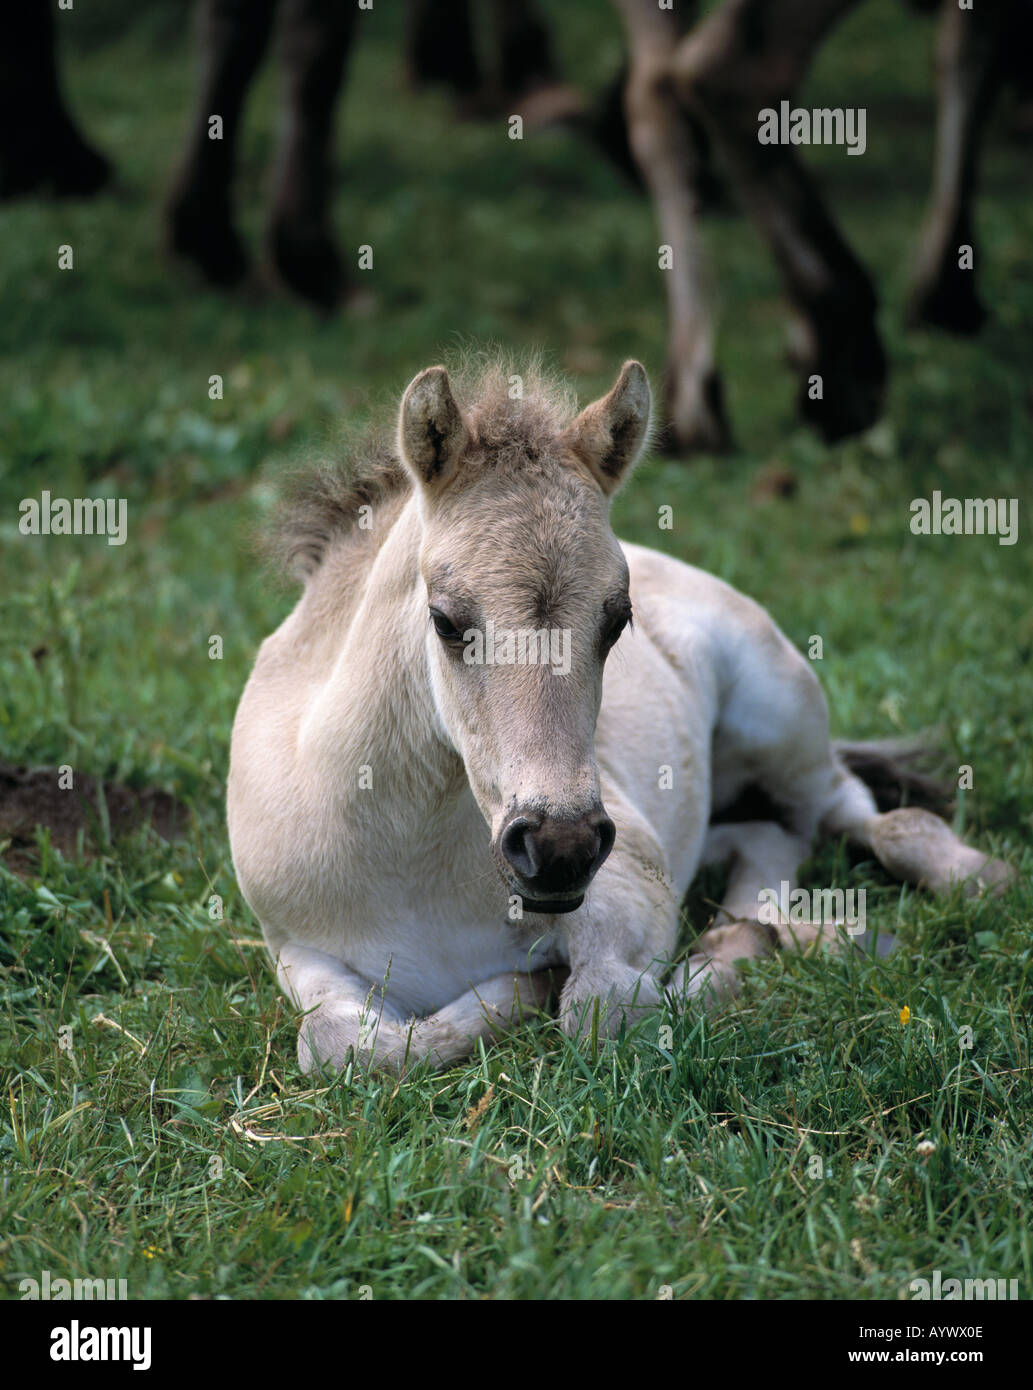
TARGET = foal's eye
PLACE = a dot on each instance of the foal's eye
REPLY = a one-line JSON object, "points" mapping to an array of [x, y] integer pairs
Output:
{"points": [[444, 626], [614, 628]]}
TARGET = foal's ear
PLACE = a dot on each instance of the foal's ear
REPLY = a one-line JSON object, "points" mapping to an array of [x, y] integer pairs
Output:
{"points": [[432, 433], [609, 434]]}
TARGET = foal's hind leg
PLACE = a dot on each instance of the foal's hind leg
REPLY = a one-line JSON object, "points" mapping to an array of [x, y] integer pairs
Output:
{"points": [[315, 41], [775, 723], [763, 857], [346, 1018], [920, 848]]}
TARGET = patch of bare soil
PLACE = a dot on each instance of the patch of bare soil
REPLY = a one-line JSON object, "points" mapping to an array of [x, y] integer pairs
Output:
{"points": [[31, 797]]}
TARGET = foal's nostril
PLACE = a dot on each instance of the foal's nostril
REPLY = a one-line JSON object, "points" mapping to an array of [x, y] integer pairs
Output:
{"points": [[607, 832], [553, 856], [519, 848]]}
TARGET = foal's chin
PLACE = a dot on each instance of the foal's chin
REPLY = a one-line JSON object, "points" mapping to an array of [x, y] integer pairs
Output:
{"points": [[541, 906], [550, 907]]}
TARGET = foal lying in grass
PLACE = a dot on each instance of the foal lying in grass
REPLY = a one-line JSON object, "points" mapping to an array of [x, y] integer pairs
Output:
{"points": [[460, 776]]}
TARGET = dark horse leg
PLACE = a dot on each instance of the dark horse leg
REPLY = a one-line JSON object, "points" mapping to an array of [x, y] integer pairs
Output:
{"points": [[316, 38], [751, 54], [662, 144], [524, 78], [234, 35], [440, 47], [528, 76], [40, 147], [969, 53], [524, 46]]}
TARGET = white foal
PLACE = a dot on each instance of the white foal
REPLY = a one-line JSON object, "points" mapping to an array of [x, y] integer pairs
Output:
{"points": [[459, 775]]}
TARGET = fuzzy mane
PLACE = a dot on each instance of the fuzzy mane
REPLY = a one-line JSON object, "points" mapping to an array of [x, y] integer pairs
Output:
{"points": [[321, 504]]}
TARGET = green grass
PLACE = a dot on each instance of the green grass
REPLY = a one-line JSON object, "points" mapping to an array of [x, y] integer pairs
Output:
{"points": [[684, 1160]]}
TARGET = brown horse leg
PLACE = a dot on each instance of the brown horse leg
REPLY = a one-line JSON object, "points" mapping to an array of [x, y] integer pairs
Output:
{"points": [[316, 38], [198, 215], [969, 48], [442, 47], [666, 155], [529, 78], [747, 55]]}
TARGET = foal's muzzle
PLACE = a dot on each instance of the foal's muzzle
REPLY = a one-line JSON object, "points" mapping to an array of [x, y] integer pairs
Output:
{"points": [[553, 860]]}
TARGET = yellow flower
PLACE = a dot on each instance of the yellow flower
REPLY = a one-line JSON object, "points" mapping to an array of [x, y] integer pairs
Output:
{"points": [[905, 1014]]}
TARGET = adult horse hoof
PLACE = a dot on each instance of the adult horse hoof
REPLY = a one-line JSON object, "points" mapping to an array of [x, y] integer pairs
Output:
{"points": [[843, 393], [81, 173], [209, 241], [72, 169], [307, 261], [951, 306], [694, 420]]}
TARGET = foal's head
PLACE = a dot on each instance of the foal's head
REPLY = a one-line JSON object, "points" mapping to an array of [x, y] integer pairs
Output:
{"points": [[527, 593]]}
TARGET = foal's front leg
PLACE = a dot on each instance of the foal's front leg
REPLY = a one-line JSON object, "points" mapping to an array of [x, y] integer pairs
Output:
{"points": [[347, 1018], [620, 938], [763, 856]]}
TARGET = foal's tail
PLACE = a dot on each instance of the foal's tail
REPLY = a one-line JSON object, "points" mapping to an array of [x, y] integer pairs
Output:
{"points": [[899, 771]]}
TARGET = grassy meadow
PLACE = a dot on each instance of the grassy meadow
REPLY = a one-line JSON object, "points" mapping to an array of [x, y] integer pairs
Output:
{"points": [[155, 1125]]}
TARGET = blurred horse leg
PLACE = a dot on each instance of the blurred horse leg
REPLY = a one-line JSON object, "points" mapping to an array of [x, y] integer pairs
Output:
{"points": [[524, 80], [316, 38], [440, 46], [751, 54], [667, 156], [969, 52], [529, 78], [40, 145], [199, 212]]}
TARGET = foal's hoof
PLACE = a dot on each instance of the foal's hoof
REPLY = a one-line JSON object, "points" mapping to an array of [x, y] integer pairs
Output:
{"points": [[992, 876], [832, 936], [603, 1009], [330, 1038], [918, 847], [706, 980]]}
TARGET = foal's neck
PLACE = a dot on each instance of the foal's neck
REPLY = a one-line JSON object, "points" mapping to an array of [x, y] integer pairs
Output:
{"points": [[375, 723]]}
